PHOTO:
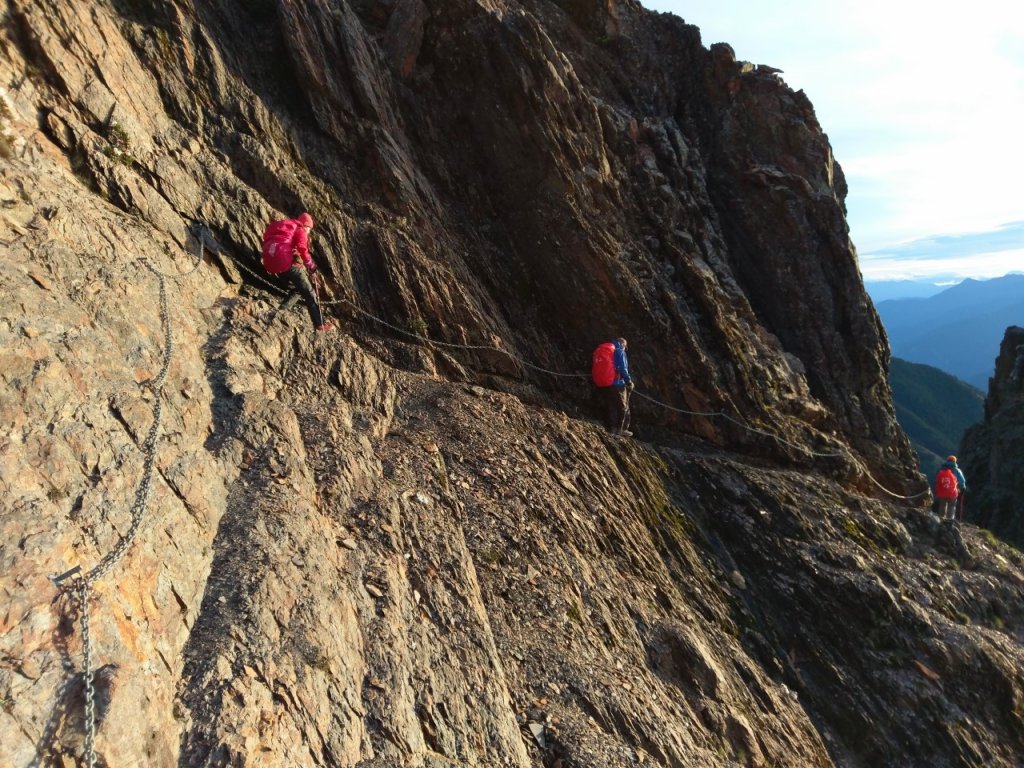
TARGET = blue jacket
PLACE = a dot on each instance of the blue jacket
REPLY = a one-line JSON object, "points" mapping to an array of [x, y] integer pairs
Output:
{"points": [[961, 481], [621, 367]]}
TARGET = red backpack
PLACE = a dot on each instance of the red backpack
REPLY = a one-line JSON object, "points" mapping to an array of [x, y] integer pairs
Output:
{"points": [[945, 484], [602, 371], [277, 251]]}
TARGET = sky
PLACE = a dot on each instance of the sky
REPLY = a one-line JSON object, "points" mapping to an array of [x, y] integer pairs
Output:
{"points": [[923, 104]]}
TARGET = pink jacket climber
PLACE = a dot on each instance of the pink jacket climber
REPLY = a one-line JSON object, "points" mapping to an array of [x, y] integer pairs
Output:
{"points": [[286, 243]]}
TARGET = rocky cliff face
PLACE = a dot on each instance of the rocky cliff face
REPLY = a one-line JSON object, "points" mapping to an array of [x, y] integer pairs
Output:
{"points": [[992, 449], [358, 548]]}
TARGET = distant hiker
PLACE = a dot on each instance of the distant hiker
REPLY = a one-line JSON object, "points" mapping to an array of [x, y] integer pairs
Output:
{"points": [[950, 485], [610, 372], [286, 249], [961, 485]]}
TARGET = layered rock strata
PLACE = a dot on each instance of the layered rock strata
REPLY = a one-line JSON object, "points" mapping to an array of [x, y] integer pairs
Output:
{"points": [[361, 549]]}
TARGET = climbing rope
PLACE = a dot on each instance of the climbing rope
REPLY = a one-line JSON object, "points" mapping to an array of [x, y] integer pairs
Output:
{"points": [[449, 345], [73, 581], [202, 229], [885, 490], [703, 414], [734, 420], [527, 364]]}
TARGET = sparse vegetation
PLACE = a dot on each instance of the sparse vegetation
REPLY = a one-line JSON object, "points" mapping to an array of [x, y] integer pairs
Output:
{"points": [[441, 471], [490, 555], [118, 137], [317, 659], [164, 45], [119, 145], [417, 326], [6, 139]]}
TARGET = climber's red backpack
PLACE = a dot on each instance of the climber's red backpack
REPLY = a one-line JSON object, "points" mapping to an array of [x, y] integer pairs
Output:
{"points": [[603, 369], [277, 250], [945, 484]]}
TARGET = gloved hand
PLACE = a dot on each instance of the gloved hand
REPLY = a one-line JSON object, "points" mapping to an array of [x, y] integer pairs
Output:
{"points": [[630, 385]]}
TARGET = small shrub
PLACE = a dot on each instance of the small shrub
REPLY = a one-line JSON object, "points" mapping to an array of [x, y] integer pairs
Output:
{"points": [[417, 326], [119, 145], [118, 137], [6, 138]]}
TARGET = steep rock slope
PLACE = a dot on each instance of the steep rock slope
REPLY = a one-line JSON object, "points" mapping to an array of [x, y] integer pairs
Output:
{"points": [[992, 449], [522, 176], [358, 551]]}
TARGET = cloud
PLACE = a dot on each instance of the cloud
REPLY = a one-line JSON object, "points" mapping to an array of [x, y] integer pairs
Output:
{"points": [[987, 254], [1009, 237]]}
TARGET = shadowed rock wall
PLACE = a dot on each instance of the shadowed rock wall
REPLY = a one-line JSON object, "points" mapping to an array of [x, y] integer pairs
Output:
{"points": [[991, 450]]}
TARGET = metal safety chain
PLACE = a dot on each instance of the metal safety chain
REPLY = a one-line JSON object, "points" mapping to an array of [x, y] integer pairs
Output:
{"points": [[82, 588], [73, 581]]}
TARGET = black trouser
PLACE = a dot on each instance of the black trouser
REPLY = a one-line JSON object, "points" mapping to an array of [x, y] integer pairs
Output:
{"points": [[617, 405], [300, 282]]}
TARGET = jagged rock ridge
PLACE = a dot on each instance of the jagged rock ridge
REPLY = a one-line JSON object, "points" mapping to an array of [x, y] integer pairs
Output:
{"points": [[362, 551], [992, 449]]}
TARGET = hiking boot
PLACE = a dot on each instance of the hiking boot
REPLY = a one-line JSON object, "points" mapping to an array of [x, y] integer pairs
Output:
{"points": [[325, 327]]}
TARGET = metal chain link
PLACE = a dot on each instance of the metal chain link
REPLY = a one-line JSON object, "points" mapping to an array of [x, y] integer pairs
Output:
{"points": [[145, 487], [82, 584], [90, 693], [258, 278]]}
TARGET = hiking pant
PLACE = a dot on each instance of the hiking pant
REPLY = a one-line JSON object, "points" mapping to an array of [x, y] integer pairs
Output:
{"points": [[300, 282], [616, 408], [945, 508]]}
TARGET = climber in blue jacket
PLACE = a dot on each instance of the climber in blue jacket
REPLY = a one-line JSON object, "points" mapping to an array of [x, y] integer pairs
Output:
{"points": [[961, 484], [961, 481]]}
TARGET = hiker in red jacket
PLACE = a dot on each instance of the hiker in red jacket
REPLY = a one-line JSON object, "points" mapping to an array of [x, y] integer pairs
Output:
{"points": [[286, 249], [950, 485]]}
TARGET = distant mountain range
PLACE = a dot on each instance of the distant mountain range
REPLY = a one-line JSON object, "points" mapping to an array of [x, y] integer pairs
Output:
{"points": [[934, 409], [886, 290], [957, 330]]}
